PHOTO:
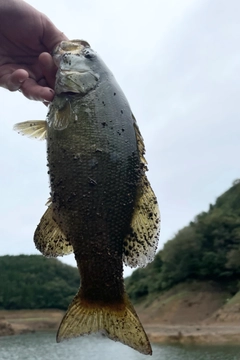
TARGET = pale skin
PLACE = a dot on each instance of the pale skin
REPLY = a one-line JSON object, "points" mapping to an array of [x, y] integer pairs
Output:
{"points": [[27, 38]]}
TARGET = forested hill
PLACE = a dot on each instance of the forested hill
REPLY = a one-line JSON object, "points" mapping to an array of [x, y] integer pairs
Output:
{"points": [[207, 249], [35, 282]]}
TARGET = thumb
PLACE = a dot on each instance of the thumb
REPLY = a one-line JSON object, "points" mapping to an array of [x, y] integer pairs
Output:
{"points": [[51, 36]]}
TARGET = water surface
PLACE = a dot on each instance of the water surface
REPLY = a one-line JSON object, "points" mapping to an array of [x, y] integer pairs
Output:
{"points": [[42, 346]]}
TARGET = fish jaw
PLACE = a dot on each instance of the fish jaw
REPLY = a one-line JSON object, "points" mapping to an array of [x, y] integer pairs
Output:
{"points": [[75, 71]]}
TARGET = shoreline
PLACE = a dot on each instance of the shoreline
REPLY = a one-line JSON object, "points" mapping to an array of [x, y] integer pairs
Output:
{"points": [[15, 322], [212, 334]]}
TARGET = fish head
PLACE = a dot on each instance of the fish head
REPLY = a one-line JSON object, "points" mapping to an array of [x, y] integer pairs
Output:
{"points": [[77, 67]]}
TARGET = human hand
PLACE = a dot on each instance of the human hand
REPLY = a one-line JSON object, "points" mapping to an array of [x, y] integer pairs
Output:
{"points": [[27, 38]]}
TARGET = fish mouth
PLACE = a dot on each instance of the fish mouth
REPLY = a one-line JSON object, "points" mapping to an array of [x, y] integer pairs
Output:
{"points": [[73, 46], [67, 54]]}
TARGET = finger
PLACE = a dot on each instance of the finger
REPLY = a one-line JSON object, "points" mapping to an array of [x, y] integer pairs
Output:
{"points": [[48, 68], [13, 81], [52, 35], [34, 91]]}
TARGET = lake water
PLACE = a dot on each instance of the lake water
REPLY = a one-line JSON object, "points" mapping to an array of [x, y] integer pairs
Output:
{"points": [[42, 346]]}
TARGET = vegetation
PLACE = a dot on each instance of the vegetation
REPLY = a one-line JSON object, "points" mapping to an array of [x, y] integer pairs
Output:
{"points": [[207, 249], [35, 282]]}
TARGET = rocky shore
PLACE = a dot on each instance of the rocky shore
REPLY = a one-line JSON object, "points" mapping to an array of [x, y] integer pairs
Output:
{"points": [[14, 322], [188, 313], [25, 321], [194, 334]]}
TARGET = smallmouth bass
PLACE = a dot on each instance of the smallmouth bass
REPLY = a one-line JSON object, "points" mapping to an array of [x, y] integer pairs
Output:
{"points": [[102, 206]]}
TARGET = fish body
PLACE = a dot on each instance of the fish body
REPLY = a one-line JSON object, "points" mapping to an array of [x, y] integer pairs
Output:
{"points": [[102, 206]]}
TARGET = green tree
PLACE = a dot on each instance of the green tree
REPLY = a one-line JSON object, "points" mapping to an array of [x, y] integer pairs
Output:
{"points": [[34, 282]]}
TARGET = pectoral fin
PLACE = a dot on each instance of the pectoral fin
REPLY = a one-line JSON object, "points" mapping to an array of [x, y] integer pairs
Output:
{"points": [[49, 239], [61, 110], [32, 129]]}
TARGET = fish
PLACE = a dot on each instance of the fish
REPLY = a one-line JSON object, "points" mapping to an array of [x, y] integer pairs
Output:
{"points": [[102, 207]]}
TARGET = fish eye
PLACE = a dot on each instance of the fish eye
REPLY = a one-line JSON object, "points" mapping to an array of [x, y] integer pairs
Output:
{"points": [[88, 54]]}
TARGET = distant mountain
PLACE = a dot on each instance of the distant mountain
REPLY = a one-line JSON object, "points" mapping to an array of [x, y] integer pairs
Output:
{"points": [[35, 282], [208, 249]]}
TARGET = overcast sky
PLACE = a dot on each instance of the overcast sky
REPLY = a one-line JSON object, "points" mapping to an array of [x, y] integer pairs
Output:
{"points": [[178, 63]]}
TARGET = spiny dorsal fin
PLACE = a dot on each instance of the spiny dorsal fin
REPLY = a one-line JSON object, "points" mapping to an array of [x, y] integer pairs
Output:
{"points": [[140, 244], [48, 237], [32, 129]]}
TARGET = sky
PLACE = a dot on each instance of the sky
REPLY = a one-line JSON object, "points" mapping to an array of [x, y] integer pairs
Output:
{"points": [[178, 63]]}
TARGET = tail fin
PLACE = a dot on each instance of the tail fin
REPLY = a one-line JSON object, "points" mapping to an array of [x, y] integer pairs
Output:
{"points": [[118, 324]]}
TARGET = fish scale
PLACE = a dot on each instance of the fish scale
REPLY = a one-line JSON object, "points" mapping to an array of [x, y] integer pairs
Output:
{"points": [[98, 188], [102, 206]]}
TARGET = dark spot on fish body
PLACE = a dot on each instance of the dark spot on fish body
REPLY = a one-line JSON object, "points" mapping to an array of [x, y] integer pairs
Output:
{"points": [[77, 157], [92, 181], [52, 177], [150, 215]]}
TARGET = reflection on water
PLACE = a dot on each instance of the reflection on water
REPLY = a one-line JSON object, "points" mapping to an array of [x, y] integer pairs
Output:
{"points": [[42, 346]]}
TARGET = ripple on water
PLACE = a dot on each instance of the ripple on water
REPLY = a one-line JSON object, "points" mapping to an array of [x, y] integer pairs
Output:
{"points": [[42, 346]]}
